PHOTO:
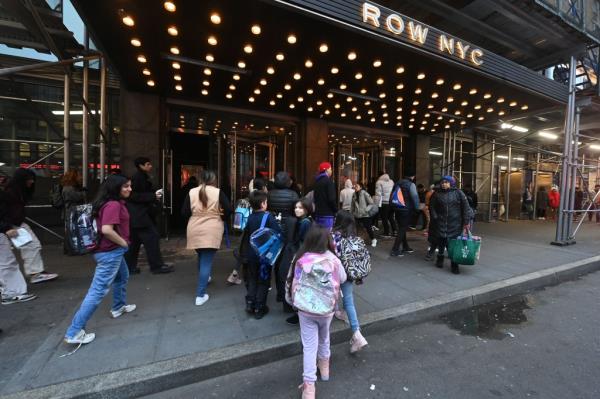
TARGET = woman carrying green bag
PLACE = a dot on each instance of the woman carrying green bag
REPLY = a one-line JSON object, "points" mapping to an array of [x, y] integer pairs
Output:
{"points": [[450, 216]]}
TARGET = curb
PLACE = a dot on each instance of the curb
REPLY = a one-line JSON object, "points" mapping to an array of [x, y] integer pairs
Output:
{"points": [[168, 374]]}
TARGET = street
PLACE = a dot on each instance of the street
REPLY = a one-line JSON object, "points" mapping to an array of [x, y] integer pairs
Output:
{"points": [[542, 345]]}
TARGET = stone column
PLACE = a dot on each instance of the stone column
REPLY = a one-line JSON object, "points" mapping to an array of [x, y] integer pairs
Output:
{"points": [[423, 166], [315, 148]]}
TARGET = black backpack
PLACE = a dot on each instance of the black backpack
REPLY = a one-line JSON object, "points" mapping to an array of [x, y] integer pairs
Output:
{"points": [[56, 198]]}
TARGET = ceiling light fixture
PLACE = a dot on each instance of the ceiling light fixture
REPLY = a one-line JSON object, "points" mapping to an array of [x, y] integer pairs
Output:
{"points": [[141, 59], [146, 72], [136, 42], [172, 30], [215, 18], [209, 58], [457, 86], [308, 64], [352, 56], [174, 50], [212, 41], [207, 71], [421, 76], [178, 87], [377, 63], [256, 29], [553, 136], [473, 91], [270, 70], [439, 82], [127, 20], [150, 83], [292, 39], [248, 49], [280, 57], [176, 65], [169, 6], [241, 64], [236, 77], [323, 48]]}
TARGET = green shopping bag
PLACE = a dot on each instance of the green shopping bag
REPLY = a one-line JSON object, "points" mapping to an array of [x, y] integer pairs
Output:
{"points": [[464, 250]]}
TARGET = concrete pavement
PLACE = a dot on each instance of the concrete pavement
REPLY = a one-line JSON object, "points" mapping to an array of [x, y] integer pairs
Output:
{"points": [[168, 328]]}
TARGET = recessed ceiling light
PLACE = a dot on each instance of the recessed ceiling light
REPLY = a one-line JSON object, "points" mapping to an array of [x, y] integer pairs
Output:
{"points": [[500, 100], [469, 115], [251, 99], [430, 106], [377, 63], [348, 99], [418, 91], [248, 49], [172, 30], [399, 99], [481, 118], [280, 57], [228, 95], [319, 102], [141, 58], [400, 69], [300, 99], [272, 103], [490, 109], [297, 76], [400, 86], [501, 113], [279, 95], [308, 64], [457, 86], [329, 95], [146, 72], [256, 29], [380, 81], [363, 91], [150, 83], [352, 56], [343, 115], [421, 76], [413, 112], [136, 42], [439, 82], [257, 91], [236, 77], [415, 102], [323, 48], [270, 70], [310, 109], [231, 87], [445, 109], [263, 82], [487, 95], [524, 107], [457, 112], [241, 64], [176, 65], [178, 87], [434, 95], [292, 39], [450, 99], [464, 103], [210, 57], [215, 18], [292, 106], [473, 91], [204, 92], [207, 71], [169, 6], [321, 82], [513, 104], [205, 83], [343, 86], [212, 40], [477, 106], [358, 76], [127, 20], [174, 50], [309, 91], [334, 70], [287, 86]]}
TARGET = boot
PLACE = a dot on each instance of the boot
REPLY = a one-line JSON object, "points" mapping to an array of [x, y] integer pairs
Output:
{"points": [[308, 390], [323, 365], [454, 269], [357, 342], [250, 307], [439, 261]]}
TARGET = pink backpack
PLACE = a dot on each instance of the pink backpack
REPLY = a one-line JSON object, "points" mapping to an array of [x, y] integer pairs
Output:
{"points": [[315, 286]]}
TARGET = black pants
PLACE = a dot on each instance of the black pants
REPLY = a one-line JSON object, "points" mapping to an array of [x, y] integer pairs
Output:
{"points": [[257, 289], [387, 218], [368, 225], [403, 218], [442, 245], [150, 238]]}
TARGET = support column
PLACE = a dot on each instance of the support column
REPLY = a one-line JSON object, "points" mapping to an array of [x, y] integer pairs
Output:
{"points": [[103, 115], [316, 148], [536, 185], [85, 118], [507, 190], [423, 166]]}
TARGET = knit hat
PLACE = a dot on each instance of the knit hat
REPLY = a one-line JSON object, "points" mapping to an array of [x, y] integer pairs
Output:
{"points": [[449, 179], [324, 166]]}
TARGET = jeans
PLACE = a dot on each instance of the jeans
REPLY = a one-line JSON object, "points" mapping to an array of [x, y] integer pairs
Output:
{"points": [[205, 260], [314, 332], [402, 220], [348, 298], [111, 269], [387, 218], [150, 238]]}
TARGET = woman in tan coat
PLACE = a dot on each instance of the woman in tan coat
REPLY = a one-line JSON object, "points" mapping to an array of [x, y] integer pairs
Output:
{"points": [[207, 209]]}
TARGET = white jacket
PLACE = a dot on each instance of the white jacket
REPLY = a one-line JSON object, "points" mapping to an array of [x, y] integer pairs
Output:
{"points": [[346, 195], [384, 188]]}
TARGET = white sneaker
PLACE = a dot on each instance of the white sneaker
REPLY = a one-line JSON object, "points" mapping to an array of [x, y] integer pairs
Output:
{"points": [[374, 242], [81, 338], [357, 342], [234, 278], [41, 277], [122, 309], [201, 300], [9, 300]]}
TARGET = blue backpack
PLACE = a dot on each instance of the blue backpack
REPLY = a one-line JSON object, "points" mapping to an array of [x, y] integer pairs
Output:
{"points": [[266, 243], [241, 215], [397, 198]]}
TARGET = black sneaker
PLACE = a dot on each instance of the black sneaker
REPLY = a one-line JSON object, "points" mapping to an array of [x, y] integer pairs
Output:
{"points": [[408, 251], [439, 263], [260, 313], [250, 308], [293, 320], [396, 254], [163, 269], [454, 268]]}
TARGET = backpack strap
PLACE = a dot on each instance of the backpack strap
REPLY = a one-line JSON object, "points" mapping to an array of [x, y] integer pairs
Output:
{"points": [[264, 220]]}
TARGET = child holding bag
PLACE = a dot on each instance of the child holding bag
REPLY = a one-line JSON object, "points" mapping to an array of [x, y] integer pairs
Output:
{"points": [[313, 288]]}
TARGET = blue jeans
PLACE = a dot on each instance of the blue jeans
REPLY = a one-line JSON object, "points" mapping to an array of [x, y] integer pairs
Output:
{"points": [[349, 305], [111, 269], [205, 260]]}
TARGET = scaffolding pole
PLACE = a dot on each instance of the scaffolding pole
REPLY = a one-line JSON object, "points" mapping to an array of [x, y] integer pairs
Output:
{"points": [[536, 185], [492, 167], [85, 116], [507, 190], [67, 125], [103, 115]]}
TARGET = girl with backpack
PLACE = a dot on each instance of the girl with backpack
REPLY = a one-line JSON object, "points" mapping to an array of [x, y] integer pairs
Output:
{"points": [[314, 290], [356, 261]]}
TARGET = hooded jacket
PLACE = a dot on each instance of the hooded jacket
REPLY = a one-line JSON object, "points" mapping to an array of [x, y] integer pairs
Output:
{"points": [[450, 212], [346, 195], [14, 198], [384, 188], [554, 198], [282, 199], [360, 204], [324, 196]]}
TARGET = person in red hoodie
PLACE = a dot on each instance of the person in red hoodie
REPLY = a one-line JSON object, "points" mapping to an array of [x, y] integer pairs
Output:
{"points": [[554, 201]]}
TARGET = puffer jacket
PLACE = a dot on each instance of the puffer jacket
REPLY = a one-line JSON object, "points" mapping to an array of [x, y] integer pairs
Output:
{"points": [[450, 212], [282, 199], [384, 188], [360, 203], [346, 195]]}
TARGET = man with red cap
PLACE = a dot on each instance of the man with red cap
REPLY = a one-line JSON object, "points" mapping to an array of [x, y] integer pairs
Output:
{"points": [[325, 197]]}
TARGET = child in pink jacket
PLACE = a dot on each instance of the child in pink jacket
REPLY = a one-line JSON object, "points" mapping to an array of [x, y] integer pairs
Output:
{"points": [[314, 291]]}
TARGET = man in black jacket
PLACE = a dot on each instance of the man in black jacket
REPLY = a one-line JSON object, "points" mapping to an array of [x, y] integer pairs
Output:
{"points": [[404, 214], [325, 197], [142, 204]]}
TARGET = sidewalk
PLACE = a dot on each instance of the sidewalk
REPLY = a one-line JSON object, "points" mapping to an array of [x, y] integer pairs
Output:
{"points": [[168, 325]]}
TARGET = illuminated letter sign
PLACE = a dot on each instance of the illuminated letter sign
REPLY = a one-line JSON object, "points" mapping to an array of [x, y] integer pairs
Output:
{"points": [[417, 33]]}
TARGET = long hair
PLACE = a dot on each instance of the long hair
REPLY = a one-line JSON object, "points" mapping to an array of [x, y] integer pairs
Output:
{"points": [[318, 240], [345, 224], [110, 190], [71, 178], [307, 205], [18, 184], [207, 178]]}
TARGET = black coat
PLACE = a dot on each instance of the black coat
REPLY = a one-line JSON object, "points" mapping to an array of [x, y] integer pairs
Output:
{"points": [[325, 196], [450, 212], [142, 204], [282, 200]]}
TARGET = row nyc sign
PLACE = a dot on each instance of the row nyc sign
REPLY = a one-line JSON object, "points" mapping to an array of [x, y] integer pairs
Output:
{"points": [[417, 33]]}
